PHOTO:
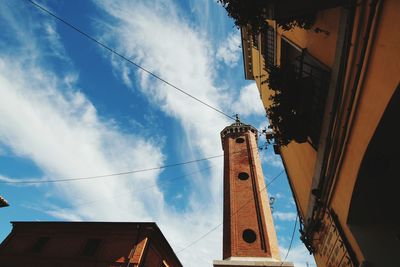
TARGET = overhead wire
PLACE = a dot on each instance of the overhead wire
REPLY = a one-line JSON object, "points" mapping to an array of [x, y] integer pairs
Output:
{"points": [[161, 183], [186, 175], [42, 181], [40, 7], [148, 169], [109, 175], [218, 225], [291, 240]]}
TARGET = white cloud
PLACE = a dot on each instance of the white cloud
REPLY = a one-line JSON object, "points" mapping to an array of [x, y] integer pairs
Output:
{"points": [[299, 255], [279, 195], [229, 50], [249, 102], [15, 181], [167, 45], [284, 216], [63, 135], [44, 117], [54, 40], [7, 179], [271, 159]]}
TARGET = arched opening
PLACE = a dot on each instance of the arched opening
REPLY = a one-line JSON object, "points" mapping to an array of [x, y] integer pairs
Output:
{"points": [[374, 216]]}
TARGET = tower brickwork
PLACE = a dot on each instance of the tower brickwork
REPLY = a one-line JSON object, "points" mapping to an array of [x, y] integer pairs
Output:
{"points": [[248, 234]]}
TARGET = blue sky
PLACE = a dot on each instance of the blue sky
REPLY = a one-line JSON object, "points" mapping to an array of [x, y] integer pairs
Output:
{"points": [[69, 108]]}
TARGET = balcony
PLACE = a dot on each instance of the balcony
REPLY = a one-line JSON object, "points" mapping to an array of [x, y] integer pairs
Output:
{"points": [[318, 76], [299, 86], [268, 46]]}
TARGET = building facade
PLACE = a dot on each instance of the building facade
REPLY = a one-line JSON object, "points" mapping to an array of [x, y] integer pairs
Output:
{"points": [[107, 244], [249, 237], [341, 160]]}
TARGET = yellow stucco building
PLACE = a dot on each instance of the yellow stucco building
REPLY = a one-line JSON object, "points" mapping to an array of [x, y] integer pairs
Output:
{"points": [[343, 174]]}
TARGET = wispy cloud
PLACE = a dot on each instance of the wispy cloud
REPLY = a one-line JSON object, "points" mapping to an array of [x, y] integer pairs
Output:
{"points": [[299, 255], [272, 159], [45, 117], [229, 50], [7, 179], [181, 54], [249, 102], [59, 129], [284, 216]]}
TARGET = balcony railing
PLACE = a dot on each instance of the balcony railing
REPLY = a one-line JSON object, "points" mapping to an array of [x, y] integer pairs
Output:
{"points": [[307, 67], [268, 43]]}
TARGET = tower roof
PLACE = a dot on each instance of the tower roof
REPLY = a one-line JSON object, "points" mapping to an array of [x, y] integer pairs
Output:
{"points": [[236, 128]]}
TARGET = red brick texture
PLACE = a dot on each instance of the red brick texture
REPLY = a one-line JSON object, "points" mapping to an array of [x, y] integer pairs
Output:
{"points": [[139, 244], [246, 205]]}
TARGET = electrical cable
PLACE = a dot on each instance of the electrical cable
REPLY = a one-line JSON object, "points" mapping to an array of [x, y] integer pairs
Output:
{"points": [[113, 174], [218, 225], [148, 169], [108, 175], [167, 180], [126, 59], [291, 240]]}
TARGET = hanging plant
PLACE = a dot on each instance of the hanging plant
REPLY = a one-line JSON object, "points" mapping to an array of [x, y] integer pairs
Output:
{"points": [[249, 12], [289, 110], [254, 13], [305, 22]]}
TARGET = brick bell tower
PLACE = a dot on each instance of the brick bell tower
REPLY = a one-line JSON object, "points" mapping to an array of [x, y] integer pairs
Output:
{"points": [[249, 237]]}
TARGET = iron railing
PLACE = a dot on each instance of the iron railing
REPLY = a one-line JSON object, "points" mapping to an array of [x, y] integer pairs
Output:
{"points": [[308, 67], [268, 43]]}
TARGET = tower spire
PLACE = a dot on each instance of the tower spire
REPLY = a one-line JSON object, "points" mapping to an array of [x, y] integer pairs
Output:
{"points": [[249, 237], [237, 118]]}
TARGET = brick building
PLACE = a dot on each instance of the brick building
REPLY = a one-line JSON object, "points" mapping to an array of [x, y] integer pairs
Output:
{"points": [[249, 237], [108, 244]]}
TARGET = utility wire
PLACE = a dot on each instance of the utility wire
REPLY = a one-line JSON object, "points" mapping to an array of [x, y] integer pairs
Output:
{"points": [[125, 58], [167, 180], [108, 175], [115, 174], [161, 183], [218, 225], [291, 240]]}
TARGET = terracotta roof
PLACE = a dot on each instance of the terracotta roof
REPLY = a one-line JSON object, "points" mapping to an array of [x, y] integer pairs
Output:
{"points": [[3, 202]]}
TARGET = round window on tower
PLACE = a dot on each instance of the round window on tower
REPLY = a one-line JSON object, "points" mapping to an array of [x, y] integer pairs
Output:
{"points": [[249, 236], [243, 176], [240, 140]]}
